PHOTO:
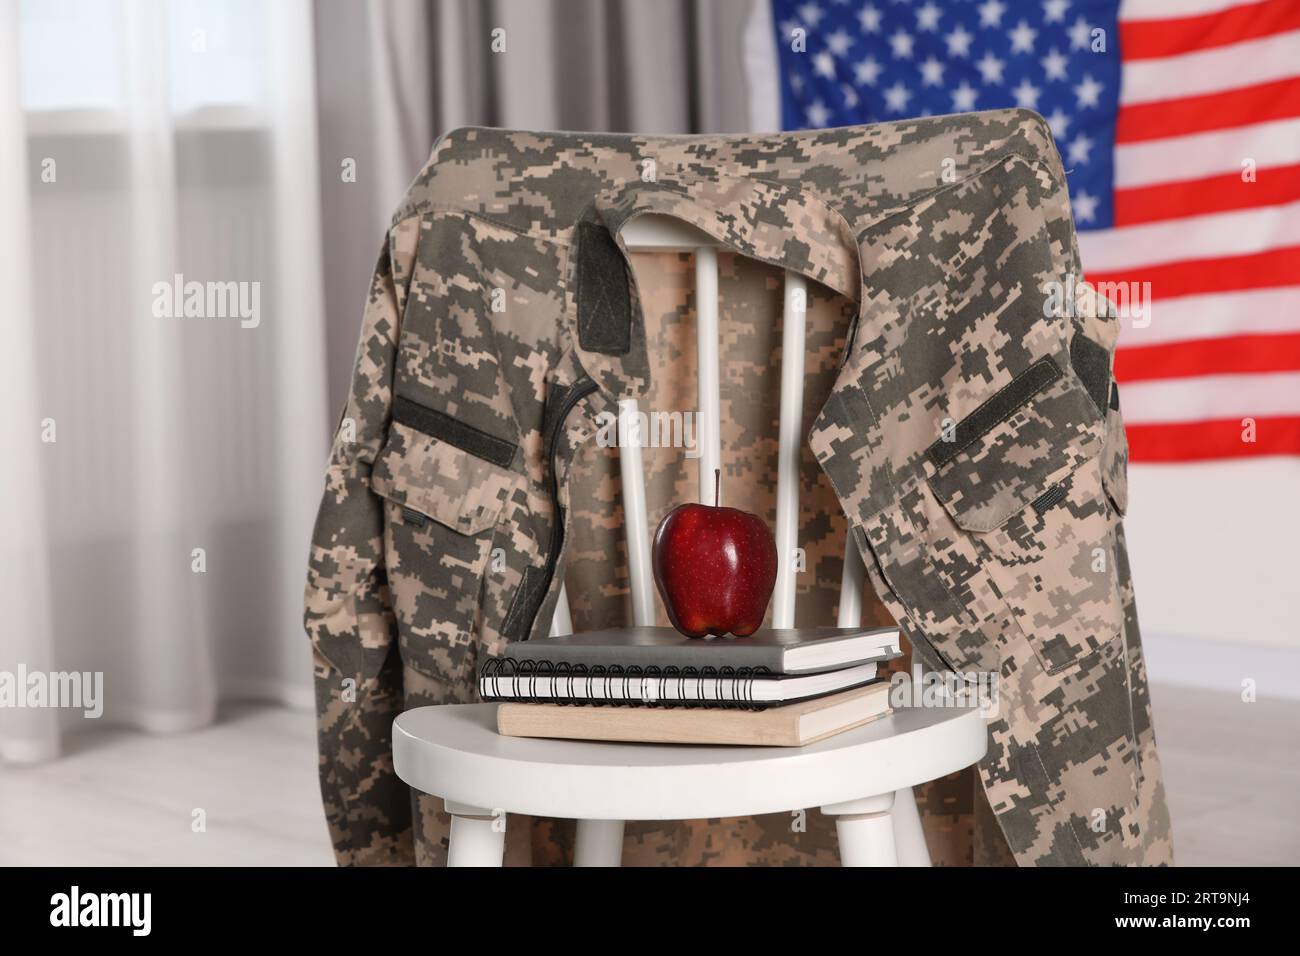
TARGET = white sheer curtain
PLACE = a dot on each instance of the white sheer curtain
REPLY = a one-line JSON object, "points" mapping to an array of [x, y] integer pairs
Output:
{"points": [[244, 142], [160, 538]]}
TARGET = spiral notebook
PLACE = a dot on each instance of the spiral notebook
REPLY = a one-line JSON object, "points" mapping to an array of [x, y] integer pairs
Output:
{"points": [[544, 682], [796, 650]]}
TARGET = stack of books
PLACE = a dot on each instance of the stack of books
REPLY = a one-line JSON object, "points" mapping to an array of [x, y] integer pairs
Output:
{"points": [[775, 688]]}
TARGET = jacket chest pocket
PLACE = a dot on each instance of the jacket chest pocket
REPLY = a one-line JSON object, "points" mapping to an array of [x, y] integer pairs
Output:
{"points": [[444, 505], [1022, 477]]}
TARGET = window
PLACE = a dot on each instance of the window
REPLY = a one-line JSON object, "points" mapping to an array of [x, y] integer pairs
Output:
{"points": [[70, 55], [218, 53], [207, 52]]}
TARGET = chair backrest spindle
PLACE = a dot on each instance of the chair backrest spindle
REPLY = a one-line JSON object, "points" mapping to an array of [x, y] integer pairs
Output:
{"points": [[562, 620], [635, 520], [789, 443], [709, 386], [851, 581]]}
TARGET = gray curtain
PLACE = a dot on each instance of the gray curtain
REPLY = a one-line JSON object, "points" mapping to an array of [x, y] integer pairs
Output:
{"points": [[392, 75]]}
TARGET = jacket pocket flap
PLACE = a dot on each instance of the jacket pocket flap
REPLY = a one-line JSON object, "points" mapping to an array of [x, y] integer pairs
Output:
{"points": [[441, 481], [1011, 450]]}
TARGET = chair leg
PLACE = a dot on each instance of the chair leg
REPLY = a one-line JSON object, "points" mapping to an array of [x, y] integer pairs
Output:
{"points": [[866, 831], [909, 835], [477, 838], [599, 843]]}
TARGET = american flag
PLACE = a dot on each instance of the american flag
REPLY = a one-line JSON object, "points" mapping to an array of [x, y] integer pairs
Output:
{"points": [[1179, 124]]}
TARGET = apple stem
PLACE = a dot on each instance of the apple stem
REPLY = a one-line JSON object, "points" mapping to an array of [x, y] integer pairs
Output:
{"points": [[717, 487]]}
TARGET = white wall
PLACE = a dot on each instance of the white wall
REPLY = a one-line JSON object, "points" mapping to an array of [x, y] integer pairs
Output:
{"points": [[1215, 549]]}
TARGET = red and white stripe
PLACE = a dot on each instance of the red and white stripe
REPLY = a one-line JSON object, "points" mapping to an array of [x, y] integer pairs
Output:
{"points": [[1208, 87]]}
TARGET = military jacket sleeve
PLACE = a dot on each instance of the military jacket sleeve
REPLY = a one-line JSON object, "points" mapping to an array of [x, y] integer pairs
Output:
{"points": [[349, 614]]}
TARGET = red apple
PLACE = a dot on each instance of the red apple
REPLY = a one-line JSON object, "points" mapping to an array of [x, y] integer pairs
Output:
{"points": [[715, 568]]}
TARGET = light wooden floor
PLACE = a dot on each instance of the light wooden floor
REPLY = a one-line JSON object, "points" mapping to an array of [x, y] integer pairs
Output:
{"points": [[1232, 770]]}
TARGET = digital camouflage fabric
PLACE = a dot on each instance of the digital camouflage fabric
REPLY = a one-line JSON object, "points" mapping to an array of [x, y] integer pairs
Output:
{"points": [[962, 424]]}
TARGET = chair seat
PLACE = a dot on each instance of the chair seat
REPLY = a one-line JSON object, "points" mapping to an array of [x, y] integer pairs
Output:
{"points": [[455, 752]]}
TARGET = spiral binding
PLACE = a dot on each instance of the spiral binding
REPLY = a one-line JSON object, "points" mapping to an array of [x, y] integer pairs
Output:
{"points": [[572, 684]]}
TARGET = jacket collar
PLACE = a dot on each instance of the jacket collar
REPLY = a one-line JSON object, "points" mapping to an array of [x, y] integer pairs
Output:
{"points": [[782, 225]]}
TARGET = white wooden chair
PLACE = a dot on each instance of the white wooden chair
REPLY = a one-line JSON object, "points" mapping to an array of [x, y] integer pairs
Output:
{"points": [[863, 777]]}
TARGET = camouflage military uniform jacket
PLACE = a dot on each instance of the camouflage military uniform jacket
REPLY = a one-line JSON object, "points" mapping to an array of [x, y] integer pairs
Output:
{"points": [[962, 424]]}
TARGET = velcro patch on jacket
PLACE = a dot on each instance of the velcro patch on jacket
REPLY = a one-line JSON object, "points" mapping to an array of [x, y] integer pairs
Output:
{"points": [[1051, 497], [997, 409], [1092, 364], [453, 431], [604, 294], [411, 516]]}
